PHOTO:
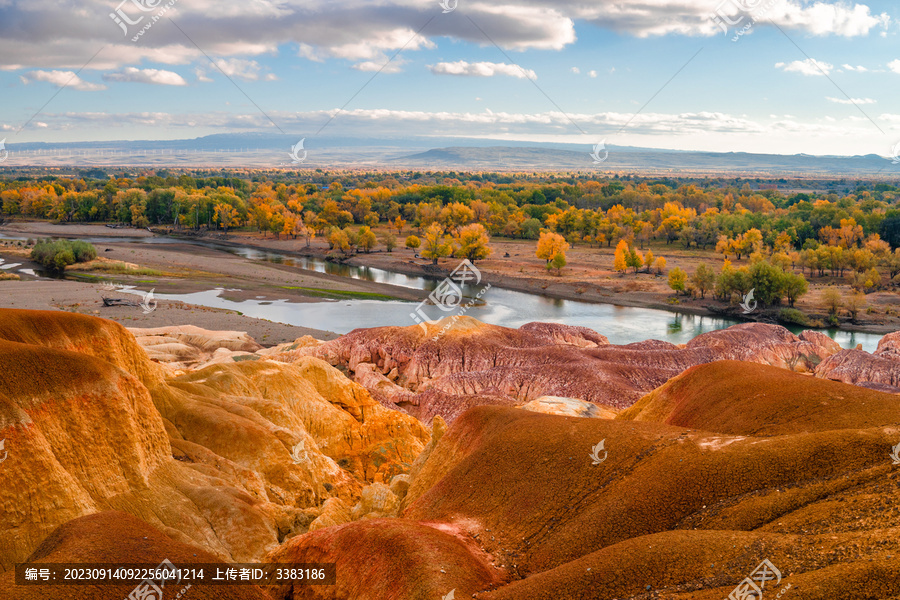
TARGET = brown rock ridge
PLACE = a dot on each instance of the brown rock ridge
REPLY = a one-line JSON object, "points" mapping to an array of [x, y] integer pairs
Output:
{"points": [[478, 364], [715, 397], [799, 474]]}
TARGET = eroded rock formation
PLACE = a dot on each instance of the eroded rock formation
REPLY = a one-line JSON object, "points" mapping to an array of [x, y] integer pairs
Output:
{"points": [[476, 364], [235, 456], [879, 370]]}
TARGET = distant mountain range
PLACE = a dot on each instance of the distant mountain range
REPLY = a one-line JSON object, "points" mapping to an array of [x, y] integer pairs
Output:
{"points": [[260, 150]]}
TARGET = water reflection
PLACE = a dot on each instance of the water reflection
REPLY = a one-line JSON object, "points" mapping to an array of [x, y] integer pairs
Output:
{"points": [[674, 326]]}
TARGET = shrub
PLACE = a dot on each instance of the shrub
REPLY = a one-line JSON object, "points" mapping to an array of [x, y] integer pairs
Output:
{"points": [[56, 255], [792, 316]]}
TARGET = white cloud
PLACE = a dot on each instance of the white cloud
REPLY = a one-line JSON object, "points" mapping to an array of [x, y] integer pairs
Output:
{"points": [[858, 69], [36, 34], [894, 66], [666, 17], [809, 67], [481, 69], [236, 68], [66, 79], [576, 70], [395, 66], [154, 76], [856, 101], [592, 74]]}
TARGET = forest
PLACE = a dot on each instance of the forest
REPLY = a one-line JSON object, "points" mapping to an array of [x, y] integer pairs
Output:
{"points": [[852, 235]]}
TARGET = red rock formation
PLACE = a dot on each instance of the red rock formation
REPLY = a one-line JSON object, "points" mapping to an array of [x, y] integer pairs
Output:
{"points": [[881, 368], [477, 364]]}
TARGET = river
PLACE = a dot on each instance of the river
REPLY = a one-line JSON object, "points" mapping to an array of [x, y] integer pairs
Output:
{"points": [[622, 325]]}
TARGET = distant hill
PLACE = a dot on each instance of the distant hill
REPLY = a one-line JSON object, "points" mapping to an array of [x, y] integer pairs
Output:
{"points": [[263, 149], [660, 161]]}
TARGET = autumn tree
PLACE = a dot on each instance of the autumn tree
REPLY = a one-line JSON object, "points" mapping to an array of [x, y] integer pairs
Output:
{"points": [[551, 244], [435, 244], [365, 239], [660, 264], [413, 242], [620, 257], [226, 215], [472, 243]]}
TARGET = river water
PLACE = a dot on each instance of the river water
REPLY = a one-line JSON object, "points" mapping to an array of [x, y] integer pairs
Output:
{"points": [[622, 325]]}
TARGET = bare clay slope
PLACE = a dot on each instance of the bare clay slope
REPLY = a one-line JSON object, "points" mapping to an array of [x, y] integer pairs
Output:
{"points": [[686, 512], [742, 398], [525, 485]]}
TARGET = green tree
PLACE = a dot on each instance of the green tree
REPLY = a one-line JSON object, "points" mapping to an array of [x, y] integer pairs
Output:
{"points": [[766, 280], [389, 240], [365, 239], [794, 286], [831, 297], [557, 262], [677, 279], [704, 279]]}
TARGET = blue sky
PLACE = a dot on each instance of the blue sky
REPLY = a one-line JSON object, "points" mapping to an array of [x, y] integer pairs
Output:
{"points": [[818, 77]]}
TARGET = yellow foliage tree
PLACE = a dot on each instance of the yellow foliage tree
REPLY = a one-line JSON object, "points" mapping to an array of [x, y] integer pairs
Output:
{"points": [[620, 258], [551, 244]]}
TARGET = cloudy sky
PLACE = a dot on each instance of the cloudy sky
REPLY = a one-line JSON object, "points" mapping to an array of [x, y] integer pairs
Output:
{"points": [[779, 76]]}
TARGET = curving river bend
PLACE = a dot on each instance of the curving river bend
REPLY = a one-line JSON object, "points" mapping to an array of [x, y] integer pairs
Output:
{"points": [[622, 325]]}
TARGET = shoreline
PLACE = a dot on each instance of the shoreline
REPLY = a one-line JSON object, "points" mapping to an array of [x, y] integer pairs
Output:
{"points": [[528, 285]]}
